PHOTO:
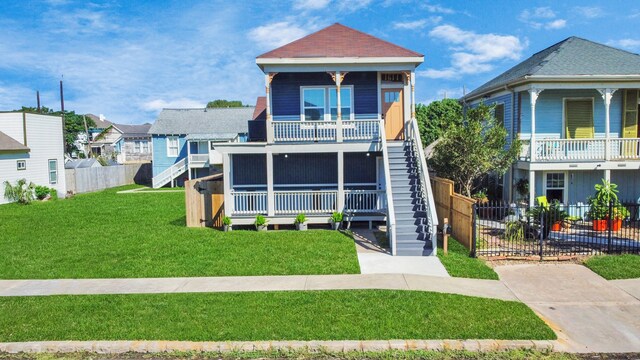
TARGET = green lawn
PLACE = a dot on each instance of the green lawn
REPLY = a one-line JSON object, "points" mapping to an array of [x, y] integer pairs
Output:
{"points": [[459, 264], [290, 315], [613, 267], [109, 235]]}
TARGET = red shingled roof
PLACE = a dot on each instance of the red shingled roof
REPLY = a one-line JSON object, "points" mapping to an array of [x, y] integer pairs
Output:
{"points": [[260, 111], [338, 40]]}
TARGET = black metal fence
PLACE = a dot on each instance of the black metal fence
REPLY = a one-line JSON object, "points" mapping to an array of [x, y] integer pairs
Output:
{"points": [[509, 230]]}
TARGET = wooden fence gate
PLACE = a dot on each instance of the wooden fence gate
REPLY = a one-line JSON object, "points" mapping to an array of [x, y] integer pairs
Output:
{"points": [[204, 200], [457, 208]]}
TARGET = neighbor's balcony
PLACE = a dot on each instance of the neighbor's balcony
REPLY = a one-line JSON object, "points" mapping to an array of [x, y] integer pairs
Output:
{"points": [[198, 160], [561, 150], [365, 128], [310, 202]]}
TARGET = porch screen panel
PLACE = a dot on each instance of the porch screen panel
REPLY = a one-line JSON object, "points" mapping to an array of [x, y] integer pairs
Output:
{"points": [[630, 114], [579, 119]]}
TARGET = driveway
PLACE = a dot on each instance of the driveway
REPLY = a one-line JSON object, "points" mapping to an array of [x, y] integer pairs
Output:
{"points": [[589, 313]]}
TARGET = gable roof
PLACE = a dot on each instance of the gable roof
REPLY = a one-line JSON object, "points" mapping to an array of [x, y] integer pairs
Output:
{"points": [[216, 122], [339, 41], [7, 143], [134, 131], [260, 111], [81, 163], [100, 124], [573, 56]]}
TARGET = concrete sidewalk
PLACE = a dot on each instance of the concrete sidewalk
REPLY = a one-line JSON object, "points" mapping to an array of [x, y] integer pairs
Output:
{"points": [[589, 313], [471, 287]]}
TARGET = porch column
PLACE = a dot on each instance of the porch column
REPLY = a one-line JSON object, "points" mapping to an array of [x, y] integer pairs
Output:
{"points": [[340, 200], [607, 175], [271, 206], [337, 77], [413, 95], [532, 188], [227, 171], [607, 95], [189, 158], [534, 93], [267, 82]]}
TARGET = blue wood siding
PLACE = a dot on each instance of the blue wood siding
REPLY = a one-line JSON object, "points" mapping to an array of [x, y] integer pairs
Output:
{"points": [[305, 169], [508, 113], [285, 91], [628, 182], [581, 184], [360, 168], [549, 108], [161, 161], [249, 169]]}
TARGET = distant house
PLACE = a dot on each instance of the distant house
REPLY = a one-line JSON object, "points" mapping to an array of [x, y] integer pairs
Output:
{"points": [[82, 163], [184, 141], [32, 147], [575, 106], [130, 143]]}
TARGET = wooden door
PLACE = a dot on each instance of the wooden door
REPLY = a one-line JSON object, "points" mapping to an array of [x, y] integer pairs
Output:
{"points": [[393, 113]]}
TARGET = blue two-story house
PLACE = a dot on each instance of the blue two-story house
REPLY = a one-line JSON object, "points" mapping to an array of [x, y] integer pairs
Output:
{"points": [[336, 132], [575, 106]]}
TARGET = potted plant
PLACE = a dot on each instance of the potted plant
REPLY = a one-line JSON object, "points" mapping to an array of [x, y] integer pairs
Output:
{"points": [[619, 213], [548, 218], [336, 220], [226, 224], [260, 223], [301, 222], [606, 196]]}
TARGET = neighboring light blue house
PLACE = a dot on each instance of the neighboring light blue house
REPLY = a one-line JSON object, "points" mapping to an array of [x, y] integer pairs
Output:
{"points": [[575, 106], [336, 132], [184, 141]]}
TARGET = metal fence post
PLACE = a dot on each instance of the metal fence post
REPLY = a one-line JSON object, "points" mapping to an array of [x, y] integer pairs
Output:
{"points": [[542, 232], [609, 226], [474, 228]]}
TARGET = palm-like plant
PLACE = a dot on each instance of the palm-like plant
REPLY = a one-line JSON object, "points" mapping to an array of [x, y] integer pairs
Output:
{"points": [[22, 192]]}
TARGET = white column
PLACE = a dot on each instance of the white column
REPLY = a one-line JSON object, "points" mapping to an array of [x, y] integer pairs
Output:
{"points": [[607, 95], [271, 208], [267, 85], [607, 175], [227, 170], [532, 188], [189, 158], [413, 95], [340, 200], [338, 80], [534, 93]]}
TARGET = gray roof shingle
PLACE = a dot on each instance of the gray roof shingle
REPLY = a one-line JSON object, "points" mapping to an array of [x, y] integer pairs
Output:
{"points": [[7, 143], [571, 57], [214, 121]]}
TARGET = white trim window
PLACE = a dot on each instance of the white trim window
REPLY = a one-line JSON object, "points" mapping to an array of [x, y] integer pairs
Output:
{"points": [[21, 165], [172, 146], [555, 186], [320, 103], [141, 146], [53, 171]]}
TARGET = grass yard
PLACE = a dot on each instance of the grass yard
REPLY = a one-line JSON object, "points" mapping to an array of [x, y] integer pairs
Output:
{"points": [[109, 235], [611, 267], [459, 264], [290, 315]]}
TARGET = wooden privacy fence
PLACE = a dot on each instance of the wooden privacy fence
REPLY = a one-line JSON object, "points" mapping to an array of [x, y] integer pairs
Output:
{"points": [[204, 199], [457, 208], [90, 179]]}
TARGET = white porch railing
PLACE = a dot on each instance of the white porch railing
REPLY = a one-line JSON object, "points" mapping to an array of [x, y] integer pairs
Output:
{"points": [[325, 131], [249, 202], [308, 202], [169, 174], [365, 201], [198, 160], [548, 150]]}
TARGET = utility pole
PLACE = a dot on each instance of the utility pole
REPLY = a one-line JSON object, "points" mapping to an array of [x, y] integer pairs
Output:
{"points": [[38, 101], [64, 132], [86, 130]]}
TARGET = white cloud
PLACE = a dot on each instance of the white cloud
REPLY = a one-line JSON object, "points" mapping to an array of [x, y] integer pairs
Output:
{"points": [[473, 53], [159, 104], [538, 13], [417, 24], [351, 6], [589, 12], [635, 15], [438, 9], [628, 44], [310, 4], [556, 24], [277, 34]]}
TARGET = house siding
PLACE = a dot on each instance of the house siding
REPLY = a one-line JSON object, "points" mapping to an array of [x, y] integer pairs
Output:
{"points": [[360, 168], [628, 182], [161, 161], [508, 111], [285, 91], [305, 168], [249, 169]]}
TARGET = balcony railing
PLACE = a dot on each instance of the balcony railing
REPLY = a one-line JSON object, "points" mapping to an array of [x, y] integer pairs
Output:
{"points": [[311, 202], [325, 131], [198, 160], [559, 150]]}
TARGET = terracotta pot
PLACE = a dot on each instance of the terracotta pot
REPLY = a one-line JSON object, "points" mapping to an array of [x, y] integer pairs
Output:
{"points": [[616, 224], [557, 226], [600, 225]]}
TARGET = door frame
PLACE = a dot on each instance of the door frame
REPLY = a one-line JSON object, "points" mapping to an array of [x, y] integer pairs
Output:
{"points": [[401, 90]]}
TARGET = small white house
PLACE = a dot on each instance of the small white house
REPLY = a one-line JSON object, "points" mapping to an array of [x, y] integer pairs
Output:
{"points": [[32, 147]]}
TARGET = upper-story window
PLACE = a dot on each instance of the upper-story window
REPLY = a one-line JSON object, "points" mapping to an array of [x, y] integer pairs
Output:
{"points": [[498, 114], [172, 146], [321, 103], [141, 146]]}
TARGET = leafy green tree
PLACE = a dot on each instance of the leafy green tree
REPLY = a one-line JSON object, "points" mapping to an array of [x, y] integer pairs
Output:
{"points": [[224, 103], [434, 119], [472, 149], [73, 124]]}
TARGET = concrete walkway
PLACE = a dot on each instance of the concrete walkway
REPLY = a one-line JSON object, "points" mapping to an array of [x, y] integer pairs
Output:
{"points": [[589, 313], [471, 287]]}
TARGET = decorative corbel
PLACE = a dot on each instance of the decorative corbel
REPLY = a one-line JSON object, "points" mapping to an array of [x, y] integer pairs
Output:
{"points": [[407, 77], [337, 79], [607, 94]]}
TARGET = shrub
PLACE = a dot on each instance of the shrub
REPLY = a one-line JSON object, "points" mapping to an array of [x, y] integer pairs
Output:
{"points": [[226, 220], [22, 192], [41, 192], [336, 217], [301, 219], [260, 220]]}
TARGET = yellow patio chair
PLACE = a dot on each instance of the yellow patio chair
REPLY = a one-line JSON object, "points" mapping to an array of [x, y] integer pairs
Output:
{"points": [[542, 201]]}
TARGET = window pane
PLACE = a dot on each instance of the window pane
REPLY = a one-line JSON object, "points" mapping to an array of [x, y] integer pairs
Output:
{"points": [[313, 98], [314, 114], [52, 165], [555, 194], [345, 98]]}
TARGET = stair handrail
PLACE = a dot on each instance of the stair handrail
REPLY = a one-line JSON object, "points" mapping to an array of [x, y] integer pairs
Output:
{"points": [[158, 180], [425, 182], [391, 215]]}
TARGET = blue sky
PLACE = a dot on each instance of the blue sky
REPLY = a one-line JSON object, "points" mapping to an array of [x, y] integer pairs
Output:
{"points": [[129, 59]]}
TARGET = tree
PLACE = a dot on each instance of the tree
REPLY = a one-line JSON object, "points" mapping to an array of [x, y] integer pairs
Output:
{"points": [[434, 119], [73, 124], [477, 146], [224, 103]]}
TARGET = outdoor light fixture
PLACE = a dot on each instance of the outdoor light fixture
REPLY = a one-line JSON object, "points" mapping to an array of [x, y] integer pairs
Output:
{"points": [[368, 154], [286, 156]]}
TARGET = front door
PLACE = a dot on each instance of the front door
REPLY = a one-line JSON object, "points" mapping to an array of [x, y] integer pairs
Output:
{"points": [[392, 112]]}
